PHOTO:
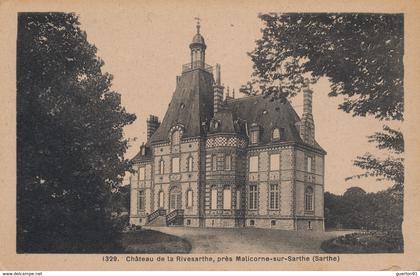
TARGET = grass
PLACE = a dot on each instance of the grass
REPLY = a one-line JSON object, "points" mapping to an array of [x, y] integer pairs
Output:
{"points": [[366, 242], [150, 241]]}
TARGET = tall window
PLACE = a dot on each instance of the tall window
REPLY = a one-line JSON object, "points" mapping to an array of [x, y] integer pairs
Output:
{"points": [[161, 199], [213, 197], [253, 164], [253, 197], [254, 136], [189, 198], [162, 166], [274, 196], [309, 199], [238, 199], [141, 200], [227, 198], [190, 164], [228, 162], [276, 134], [141, 173], [309, 164], [175, 164], [275, 162], [214, 162], [175, 137]]}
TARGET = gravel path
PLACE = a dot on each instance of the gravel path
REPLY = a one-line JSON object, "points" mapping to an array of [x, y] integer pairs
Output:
{"points": [[251, 240]]}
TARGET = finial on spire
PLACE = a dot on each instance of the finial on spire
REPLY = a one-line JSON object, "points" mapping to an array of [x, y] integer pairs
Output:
{"points": [[198, 24]]}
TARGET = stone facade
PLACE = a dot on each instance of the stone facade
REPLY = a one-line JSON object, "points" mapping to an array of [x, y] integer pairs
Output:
{"points": [[245, 162]]}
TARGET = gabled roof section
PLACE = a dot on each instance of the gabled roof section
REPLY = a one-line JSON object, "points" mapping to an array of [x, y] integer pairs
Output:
{"points": [[191, 105], [267, 115]]}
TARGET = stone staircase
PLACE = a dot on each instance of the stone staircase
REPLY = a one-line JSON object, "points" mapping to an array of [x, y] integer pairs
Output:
{"points": [[160, 218], [176, 217]]}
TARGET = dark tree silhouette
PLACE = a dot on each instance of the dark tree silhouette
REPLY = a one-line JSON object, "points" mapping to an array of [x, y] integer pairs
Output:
{"points": [[70, 142]]}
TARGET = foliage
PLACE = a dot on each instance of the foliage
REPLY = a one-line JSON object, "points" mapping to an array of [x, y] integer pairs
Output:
{"points": [[390, 168], [366, 242], [356, 209], [362, 57], [360, 54], [70, 141], [121, 199]]}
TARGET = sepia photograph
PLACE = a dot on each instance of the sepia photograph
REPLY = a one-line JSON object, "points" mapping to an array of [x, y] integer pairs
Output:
{"points": [[223, 134]]}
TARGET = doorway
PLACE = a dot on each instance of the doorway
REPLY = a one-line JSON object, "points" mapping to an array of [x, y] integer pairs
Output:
{"points": [[175, 199]]}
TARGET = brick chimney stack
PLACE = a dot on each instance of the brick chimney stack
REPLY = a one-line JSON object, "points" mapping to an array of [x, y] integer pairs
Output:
{"points": [[218, 90], [152, 125], [307, 126]]}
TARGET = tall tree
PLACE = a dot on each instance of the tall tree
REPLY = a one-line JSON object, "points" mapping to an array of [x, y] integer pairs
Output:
{"points": [[360, 54], [70, 142]]}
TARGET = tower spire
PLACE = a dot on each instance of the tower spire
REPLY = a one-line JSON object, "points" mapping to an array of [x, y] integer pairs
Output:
{"points": [[198, 24], [198, 48]]}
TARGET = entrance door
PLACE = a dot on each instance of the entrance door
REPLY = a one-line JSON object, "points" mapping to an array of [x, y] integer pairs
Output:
{"points": [[175, 199]]}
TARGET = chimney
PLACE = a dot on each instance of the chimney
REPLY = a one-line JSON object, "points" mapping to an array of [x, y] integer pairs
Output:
{"points": [[218, 91], [307, 101], [152, 125], [307, 126]]}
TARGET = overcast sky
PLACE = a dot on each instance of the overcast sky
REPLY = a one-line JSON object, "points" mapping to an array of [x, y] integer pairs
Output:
{"points": [[145, 48]]}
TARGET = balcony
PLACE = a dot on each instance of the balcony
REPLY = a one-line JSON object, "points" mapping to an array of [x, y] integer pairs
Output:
{"points": [[195, 65]]}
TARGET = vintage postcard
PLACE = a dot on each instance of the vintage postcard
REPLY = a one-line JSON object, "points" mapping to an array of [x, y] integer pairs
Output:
{"points": [[241, 135]]}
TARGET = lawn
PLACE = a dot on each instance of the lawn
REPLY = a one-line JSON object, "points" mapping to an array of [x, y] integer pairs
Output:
{"points": [[151, 241]]}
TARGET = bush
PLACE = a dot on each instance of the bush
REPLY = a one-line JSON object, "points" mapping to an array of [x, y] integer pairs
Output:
{"points": [[366, 242]]}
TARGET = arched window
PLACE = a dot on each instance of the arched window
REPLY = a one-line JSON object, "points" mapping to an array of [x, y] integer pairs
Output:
{"points": [[253, 197], [274, 197], [175, 137], [190, 164], [227, 198], [161, 166], [189, 198], [141, 200], [213, 198], [276, 134], [254, 136], [238, 199], [141, 173], [214, 162], [274, 162], [253, 164], [309, 164], [309, 199], [228, 162], [175, 164], [161, 199]]}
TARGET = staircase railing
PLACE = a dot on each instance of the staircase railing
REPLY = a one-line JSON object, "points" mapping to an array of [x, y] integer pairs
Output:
{"points": [[155, 215], [175, 217]]}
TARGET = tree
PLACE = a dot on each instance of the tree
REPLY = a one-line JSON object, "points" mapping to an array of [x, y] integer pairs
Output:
{"points": [[360, 54], [70, 142]]}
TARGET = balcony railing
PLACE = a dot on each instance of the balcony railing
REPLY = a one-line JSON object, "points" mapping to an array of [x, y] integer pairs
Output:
{"points": [[197, 64]]}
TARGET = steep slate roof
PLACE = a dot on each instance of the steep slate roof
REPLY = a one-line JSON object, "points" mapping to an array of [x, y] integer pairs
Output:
{"points": [[267, 115], [191, 104], [143, 158]]}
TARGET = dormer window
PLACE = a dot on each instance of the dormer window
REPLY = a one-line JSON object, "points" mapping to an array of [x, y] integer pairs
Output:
{"points": [[276, 134], [175, 137], [254, 136]]}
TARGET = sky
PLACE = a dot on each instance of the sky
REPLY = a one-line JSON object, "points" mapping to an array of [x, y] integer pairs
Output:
{"points": [[145, 47]]}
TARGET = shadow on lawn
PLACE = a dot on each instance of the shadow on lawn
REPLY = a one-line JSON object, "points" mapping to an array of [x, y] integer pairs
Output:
{"points": [[150, 241]]}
